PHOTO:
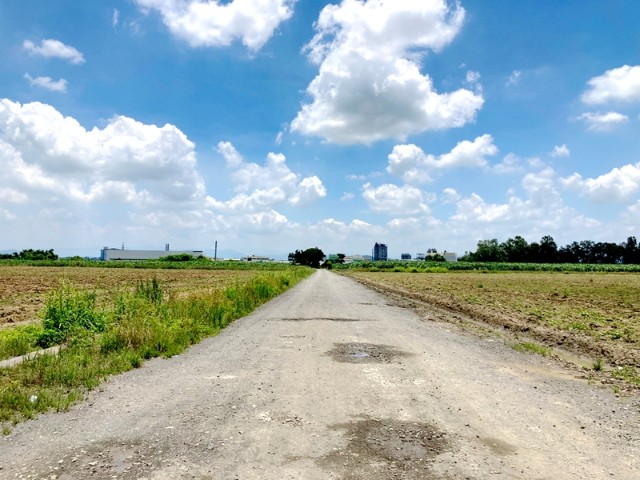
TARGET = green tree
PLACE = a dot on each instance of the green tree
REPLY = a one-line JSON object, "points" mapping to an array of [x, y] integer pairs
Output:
{"points": [[311, 257], [515, 249], [488, 251]]}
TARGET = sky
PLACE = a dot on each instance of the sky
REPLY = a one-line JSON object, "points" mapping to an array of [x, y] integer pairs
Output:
{"points": [[275, 125]]}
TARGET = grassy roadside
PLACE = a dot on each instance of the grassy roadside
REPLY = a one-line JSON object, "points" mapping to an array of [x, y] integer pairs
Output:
{"points": [[592, 314], [117, 334]]}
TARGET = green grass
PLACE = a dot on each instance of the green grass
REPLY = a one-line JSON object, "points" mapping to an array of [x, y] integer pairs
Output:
{"points": [[119, 334], [19, 340], [532, 348]]}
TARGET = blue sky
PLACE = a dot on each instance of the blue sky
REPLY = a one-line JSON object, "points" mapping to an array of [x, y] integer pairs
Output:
{"points": [[271, 125]]}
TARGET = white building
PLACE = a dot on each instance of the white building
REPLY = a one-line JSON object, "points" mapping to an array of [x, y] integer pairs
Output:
{"points": [[121, 254]]}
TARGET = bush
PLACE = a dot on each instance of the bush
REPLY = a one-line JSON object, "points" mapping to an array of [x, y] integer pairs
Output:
{"points": [[69, 312]]}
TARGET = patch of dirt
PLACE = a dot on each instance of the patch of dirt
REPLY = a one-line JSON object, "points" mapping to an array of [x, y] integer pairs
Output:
{"points": [[384, 449], [364, 353]]}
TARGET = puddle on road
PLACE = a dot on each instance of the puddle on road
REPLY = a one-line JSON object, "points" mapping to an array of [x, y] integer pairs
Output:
{"points": [[381, 449], [356, 352]]}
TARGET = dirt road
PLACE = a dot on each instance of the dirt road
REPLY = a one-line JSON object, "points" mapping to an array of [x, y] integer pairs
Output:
{"points": [[330, 381]]}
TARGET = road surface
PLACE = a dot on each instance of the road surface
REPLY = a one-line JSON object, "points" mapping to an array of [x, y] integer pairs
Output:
{"points": [[332, 381]]}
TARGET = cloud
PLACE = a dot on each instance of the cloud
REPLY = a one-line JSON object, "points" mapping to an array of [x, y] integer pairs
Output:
{"points": [[369, 86], [560, 151], [54, 49], [617, 85], [540, 211], [414, 166], [395, 200], [514, 78], [603, 122], [620, 184], [260, 186], [52, 159], [217, 24], [346, 196], [450, 195], [47, 83], [115, 19]]}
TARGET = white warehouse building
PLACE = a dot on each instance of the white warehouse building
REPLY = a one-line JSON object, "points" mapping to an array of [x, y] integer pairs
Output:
{"points": [[121, 254]]}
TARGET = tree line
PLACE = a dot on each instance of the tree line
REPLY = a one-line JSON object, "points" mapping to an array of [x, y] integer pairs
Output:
{"points": [[30, 254], [517, 250]]}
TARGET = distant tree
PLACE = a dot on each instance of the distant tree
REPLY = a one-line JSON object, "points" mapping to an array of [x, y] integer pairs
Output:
{"points": [[488, 251], [515, 249], [630, 251], [548, 250], [311, 257], [31, 254]]}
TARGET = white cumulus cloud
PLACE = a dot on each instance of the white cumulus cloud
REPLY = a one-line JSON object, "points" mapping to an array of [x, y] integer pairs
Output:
{"points": [[259, 186], [51, 158], [392, 199], [602, 122], [54, 49], [215, 23], [560, 151], [620, 184], [616, 85], [369, 86], [414, 166], [47, 83]]}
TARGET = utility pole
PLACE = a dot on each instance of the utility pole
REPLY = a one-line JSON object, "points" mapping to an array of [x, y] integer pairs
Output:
{"points": [[215, 254]]}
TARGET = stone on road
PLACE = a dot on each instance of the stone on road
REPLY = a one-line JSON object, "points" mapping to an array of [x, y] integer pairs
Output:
{"points": [[331, 381]]}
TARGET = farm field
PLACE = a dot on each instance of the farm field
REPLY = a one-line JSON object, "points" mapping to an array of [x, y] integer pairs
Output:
{"points": [[24, 289], [596, 314]]}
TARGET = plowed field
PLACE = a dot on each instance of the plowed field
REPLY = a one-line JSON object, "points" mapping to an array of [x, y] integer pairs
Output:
{"points": [[23, 290], [597, 314]]}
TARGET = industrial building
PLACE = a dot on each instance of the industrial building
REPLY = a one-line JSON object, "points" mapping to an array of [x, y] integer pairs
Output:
{"points": [[121, 254], [379, 252]]}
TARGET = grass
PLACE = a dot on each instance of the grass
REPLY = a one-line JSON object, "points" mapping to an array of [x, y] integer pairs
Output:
{"points": [[533, 348], [19, 340], [118, 333]]}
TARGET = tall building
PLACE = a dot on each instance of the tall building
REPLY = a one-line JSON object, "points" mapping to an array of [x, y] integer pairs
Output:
{"points": [[379, 252]]}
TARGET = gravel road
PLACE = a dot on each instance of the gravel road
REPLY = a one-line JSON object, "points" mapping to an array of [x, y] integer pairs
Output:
{"points": [[332, 381]]}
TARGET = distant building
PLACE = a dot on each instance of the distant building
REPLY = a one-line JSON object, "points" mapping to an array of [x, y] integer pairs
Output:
{"points": [[379, 252], [256, 258], [448, 256], [405, 256], [357, 258], [420, 256], [121, 254]]}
